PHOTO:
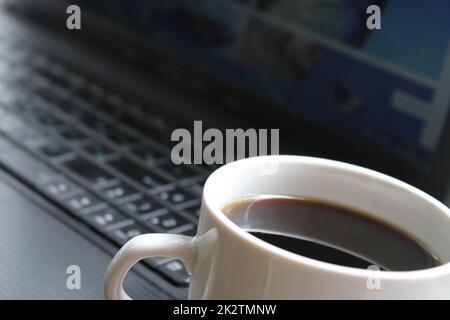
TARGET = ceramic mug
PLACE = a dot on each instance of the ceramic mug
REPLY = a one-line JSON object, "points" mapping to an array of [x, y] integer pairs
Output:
{"points": [[226, 262]]}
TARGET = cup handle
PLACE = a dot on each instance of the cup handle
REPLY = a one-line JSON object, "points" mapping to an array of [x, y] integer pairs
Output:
{"points": [[145, 246]]}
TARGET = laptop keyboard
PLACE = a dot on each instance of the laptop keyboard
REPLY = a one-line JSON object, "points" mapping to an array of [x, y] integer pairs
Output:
{"points": [[103, 157]]}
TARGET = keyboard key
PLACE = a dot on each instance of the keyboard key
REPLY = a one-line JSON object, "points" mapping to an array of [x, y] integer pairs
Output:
{"points": [[39, 61], [103, 128], [193, 211], [141, 206], [112, 133], [92, 121], [84, 203], [74, 136], [41, 86], [197, 188], [91, 173], [155, 134], [24, 109], [110, 105], [144, 127], [148, 154], [163, 123], [90, 92], [99, 151], [178, 171], [133, 122], [120, 138], [176, 196], [167, 221], [58, 71], [138, 173], [43, 89], [106, 219], [60, 188], [128, 232], [176, 272], [49, 121], [54, 150], [118, 192], [33, 110], [72, 108], [74, 80], [61, 90]]}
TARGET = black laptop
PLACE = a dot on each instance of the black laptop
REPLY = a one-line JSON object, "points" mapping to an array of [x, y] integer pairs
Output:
{"points": [[86, 117]]}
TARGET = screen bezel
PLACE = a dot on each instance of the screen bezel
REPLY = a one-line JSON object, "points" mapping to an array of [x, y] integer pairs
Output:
{"points": [[321, 141]]}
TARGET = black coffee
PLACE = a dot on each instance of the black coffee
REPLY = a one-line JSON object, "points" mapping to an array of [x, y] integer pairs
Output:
{"points": [[330, 233]]}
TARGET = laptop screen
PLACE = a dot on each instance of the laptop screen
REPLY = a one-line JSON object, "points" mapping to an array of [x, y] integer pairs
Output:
{"points": [[319, 59]]}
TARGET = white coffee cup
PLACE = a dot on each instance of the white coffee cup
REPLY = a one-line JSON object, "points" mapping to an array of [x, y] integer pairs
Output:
{"points": [[226, 262]]}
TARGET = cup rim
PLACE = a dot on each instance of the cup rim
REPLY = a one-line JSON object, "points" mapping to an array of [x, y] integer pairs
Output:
{"points": [[220, 217]]}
